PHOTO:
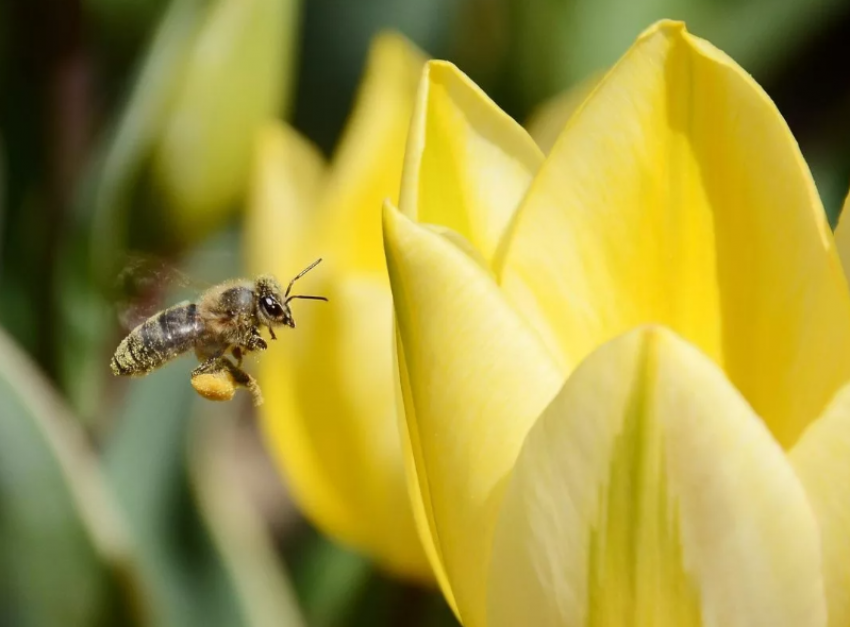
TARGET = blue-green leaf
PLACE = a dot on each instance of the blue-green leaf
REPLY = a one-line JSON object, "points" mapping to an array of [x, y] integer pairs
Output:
{"points": [[64, 556]]}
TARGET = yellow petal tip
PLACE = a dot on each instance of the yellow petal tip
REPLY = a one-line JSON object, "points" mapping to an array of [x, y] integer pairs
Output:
{"points": [[437, 69], [664, 27], [389, 217], [393, 52]]}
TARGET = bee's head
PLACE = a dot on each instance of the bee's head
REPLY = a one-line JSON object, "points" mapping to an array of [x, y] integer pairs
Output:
{"points": [[272, 307], [273, 303]]}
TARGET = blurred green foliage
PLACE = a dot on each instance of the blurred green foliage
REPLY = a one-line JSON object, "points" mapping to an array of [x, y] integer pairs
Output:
{"points": [[63, 557], [121, 503], [559, 42]]}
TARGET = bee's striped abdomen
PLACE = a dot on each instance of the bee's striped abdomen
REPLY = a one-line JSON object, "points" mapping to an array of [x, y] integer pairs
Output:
{"points": [[157, 340]]}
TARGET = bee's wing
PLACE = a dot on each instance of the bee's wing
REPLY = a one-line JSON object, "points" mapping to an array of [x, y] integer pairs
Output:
{"points": [[146, 284]]}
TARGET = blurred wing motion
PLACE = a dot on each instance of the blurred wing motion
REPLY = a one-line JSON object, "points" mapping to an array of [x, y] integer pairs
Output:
{"points": [[145, 284]]}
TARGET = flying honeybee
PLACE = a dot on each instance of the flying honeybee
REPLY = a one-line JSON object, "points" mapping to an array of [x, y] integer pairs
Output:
{"points": [[227, 318]]}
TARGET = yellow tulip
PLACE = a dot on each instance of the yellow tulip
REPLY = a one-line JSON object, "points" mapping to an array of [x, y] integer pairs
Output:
{"points": [[330, 412], [236, 75], [621, 365]]}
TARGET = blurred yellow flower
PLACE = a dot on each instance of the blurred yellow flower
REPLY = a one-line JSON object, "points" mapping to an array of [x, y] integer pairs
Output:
{"points": [[614, 360], [330, 416], [235, 76]]}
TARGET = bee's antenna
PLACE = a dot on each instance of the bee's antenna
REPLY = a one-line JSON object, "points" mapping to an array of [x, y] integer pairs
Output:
{"points": [[300, 274], [304, 297]]}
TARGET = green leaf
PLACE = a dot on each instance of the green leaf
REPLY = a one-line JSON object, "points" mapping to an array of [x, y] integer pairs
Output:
{"points": [[122, 22], [2, 174], [210, 566], [142, 119], [90, 258], [556, 43], [64, 556], [143, 459], [243, 542], [330, 580]]}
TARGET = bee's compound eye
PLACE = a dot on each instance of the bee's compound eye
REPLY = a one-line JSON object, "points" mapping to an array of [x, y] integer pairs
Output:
{"points": [[271, 307]]}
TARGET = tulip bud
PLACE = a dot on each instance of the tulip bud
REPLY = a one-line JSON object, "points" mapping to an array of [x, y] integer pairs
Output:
{"points": [[236, 77]]}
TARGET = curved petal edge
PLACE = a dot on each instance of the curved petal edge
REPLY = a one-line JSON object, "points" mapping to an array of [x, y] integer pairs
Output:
{"points": [[473, 379]]}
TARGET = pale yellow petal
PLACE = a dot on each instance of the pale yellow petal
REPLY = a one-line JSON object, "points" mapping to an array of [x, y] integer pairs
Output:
{"points": [[650, 494], [366, 167], [474, 379], [468, 163], [285, 184], [420, 515], [677, 195], [842, 236], [822, 461], [547, 122]]}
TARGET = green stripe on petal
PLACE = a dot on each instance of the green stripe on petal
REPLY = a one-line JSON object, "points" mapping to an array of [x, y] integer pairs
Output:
{"points": [[650, 494]]}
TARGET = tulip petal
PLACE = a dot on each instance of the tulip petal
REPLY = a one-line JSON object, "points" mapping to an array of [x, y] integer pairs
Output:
{"points": [[366, 167], [348, 421], [547, 122], [677, 195], [649, 493], [822, 461], [286, 181], [236, 77], [468, 164], [474, 379], [333, 434], [287, 174], [417, 501]]}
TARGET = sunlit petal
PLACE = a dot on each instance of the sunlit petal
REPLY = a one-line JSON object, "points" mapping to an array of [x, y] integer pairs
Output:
{"points": [[333, 432], [287, 175], [421, 517], [677, 195], [367, 166], [474, 378], [468, 163], [547, 122], [286, 183], [348, 419], [649, 493], [822, 460]]}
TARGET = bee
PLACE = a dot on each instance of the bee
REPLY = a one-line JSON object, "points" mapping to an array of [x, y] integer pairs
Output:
{"points": [[227, 318]]}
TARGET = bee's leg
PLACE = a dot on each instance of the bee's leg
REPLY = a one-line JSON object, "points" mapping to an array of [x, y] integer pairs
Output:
{"points": [[240, 377], [245, 380], [208, 366], [255, 341]]}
